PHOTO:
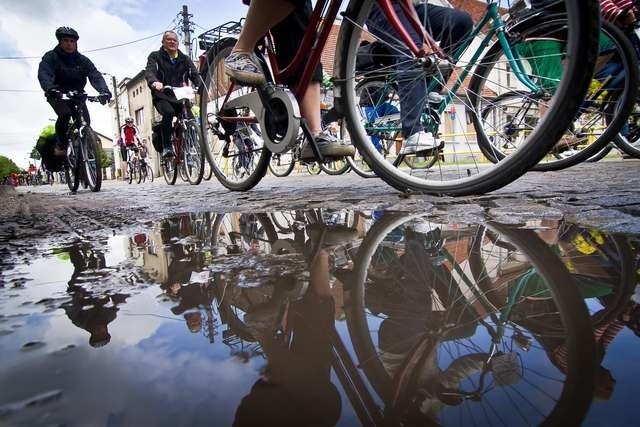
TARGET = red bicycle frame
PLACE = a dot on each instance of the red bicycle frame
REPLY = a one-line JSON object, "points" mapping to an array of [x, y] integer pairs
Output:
{"points": [[315, 38]]}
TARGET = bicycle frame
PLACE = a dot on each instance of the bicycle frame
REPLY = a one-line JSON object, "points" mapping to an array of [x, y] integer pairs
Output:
{"points": [[496, 29]]}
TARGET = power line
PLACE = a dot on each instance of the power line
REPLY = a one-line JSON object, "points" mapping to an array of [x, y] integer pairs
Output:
{"points": [[22, 90], [87, 51]]}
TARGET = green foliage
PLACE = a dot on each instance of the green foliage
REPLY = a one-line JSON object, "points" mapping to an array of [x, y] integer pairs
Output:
{"points": [[105, 160], [7, 166], [35, 154]]}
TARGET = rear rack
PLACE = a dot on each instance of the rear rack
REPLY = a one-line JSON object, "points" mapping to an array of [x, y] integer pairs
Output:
{"points": [[210, 37]]}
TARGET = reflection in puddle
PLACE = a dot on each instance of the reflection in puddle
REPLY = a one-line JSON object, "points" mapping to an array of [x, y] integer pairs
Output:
{"points": [[332, 318]]}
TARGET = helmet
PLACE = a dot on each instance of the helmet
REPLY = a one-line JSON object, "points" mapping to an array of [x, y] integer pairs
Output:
{"points": [[69, 32], [128, 120]]}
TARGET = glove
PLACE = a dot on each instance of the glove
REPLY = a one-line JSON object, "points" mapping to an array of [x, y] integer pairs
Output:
{"points": [[104, 97], [54, 93]]}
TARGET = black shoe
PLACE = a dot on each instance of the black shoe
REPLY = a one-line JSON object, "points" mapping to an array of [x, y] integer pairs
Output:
{"points": [[168, 153]]}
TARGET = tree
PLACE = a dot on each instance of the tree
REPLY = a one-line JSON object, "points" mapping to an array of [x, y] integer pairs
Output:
{"points": [[105, 160], [7, 166], [35, 154]]}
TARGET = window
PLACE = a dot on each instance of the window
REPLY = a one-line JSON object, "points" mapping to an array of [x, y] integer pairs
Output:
{"points": [[139, 116]]}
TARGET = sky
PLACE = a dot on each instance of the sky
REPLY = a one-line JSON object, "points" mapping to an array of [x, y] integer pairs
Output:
{"points": [[27, 29]]}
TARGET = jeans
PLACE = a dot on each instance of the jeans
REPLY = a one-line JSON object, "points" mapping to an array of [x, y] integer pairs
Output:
{"points": [[446, 25]]}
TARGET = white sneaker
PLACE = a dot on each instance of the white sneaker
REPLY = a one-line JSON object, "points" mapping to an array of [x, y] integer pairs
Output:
{"points": [[419, 141]]}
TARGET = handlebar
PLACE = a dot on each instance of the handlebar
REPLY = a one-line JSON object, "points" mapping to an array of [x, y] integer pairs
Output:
{"points": [[77, 95]]}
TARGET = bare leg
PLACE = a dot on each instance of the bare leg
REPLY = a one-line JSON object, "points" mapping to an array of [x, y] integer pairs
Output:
{"points": [[310, 107], [261, 17]]}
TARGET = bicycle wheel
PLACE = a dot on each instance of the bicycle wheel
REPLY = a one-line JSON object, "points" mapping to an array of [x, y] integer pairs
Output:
{"points": [[149, 173], [91, 159], [282, 164], [243, 233], [169, 170], [462, 169], [192, 152], [72, 168], [237, 156], [313, 168], [335, 166], [131, 171], [507, 119], [142, 172], [436, 353]]}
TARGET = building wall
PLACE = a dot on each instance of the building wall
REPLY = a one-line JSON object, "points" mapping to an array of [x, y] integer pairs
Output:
{"points": [[143, 113]]}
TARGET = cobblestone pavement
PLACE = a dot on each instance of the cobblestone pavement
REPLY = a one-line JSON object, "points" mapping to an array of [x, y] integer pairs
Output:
{"points": [[604, 195]]}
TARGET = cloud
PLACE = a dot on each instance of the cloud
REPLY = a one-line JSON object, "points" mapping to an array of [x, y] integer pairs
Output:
{"points": [[27, 29]]}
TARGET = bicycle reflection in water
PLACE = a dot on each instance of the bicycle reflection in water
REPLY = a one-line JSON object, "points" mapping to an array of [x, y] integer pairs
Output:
{"points": [[445, 323]]}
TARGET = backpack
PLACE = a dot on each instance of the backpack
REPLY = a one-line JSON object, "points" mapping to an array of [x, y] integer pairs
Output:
{"points": [[45, 146]]}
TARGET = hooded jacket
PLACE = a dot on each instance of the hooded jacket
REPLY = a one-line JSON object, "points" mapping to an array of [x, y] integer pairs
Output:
{"points": [[161, 69], [69, 71]]}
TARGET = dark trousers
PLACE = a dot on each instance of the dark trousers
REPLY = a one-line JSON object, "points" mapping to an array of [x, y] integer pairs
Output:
{"points": [[64, 111], [448, 26], [168, 110]]}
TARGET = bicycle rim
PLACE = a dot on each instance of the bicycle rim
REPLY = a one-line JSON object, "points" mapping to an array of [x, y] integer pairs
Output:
{"points": [[169, 170], [463, 169], [282, 164]]}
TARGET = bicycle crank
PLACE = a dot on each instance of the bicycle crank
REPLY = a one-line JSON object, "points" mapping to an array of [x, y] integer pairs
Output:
{"points": [[277, 112]]}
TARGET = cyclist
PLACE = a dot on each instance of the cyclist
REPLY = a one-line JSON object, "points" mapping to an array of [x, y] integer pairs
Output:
{"points": [[168, 66], [449, 27], [287, 20], [129, 139], [65, 69]]}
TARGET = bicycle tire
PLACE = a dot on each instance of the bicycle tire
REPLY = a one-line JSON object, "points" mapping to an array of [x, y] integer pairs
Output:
{"points": [[192, 151], [72, 167], [588, 117], [601, 155], [149, 173], [576, 395], [91, 159], [628, 147], [335, 166], [468, 178], [142, 171], [130, 171], [236, 169], [280, 169], [313, 168], [169, 170]]}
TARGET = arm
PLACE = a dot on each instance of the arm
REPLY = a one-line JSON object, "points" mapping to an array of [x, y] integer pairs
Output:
{"points": [[46, 73], [194, 75], [152, 72], [95, 77]]}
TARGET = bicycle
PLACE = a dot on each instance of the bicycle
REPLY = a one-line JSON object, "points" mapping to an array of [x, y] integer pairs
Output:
{"points": [[601, 115], [187, 143], [133, 165], [83, 157], [275, 108]]}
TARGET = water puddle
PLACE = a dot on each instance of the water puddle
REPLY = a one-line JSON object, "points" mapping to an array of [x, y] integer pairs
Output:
{"points": [[324, 318]]}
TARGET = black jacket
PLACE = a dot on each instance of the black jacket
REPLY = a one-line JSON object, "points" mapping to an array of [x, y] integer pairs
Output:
{"points": [[161, 69], [69, 71]]}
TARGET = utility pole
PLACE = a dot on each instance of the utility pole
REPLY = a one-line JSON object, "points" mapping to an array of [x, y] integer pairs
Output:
{"points": [[186, 29], [115, 97]]}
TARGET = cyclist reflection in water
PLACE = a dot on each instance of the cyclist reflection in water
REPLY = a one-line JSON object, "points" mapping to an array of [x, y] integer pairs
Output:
{"points": [[103, 308], [295, 389], [407, 279]]}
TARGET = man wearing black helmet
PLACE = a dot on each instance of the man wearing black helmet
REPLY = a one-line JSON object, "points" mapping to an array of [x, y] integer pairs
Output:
{"points": [[64, 69]]}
